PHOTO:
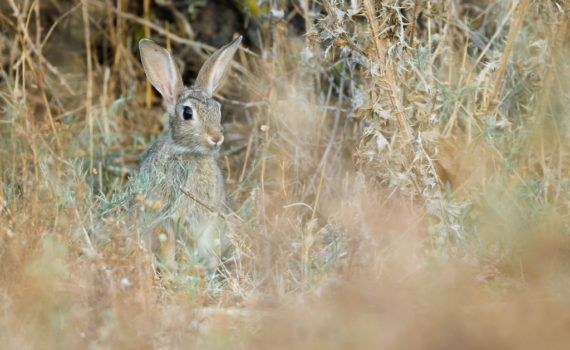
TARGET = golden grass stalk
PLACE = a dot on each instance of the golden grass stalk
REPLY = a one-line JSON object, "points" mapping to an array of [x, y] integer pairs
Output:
{"points": [[405, 128], [518, 20], [319, 190], [89, 84], [146, 14]]}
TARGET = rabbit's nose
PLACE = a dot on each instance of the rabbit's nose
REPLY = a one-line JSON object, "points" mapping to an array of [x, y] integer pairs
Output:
{"points": [[216, 140]]}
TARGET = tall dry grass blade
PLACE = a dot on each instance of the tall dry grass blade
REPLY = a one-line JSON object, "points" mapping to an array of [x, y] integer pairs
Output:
{"points": [[202, 203], [89, 84], [167, 29], [412, 27], [146, 16], [30, 44], [319, 190], [498, 31], [247, 151], [517, 22], [27, 44], [405, 128]]}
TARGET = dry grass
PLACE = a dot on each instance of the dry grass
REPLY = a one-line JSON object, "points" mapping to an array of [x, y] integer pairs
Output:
{"points": [[407, 189]]}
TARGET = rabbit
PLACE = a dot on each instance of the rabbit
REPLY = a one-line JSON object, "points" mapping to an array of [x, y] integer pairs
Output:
{"points": [[184, 156]]}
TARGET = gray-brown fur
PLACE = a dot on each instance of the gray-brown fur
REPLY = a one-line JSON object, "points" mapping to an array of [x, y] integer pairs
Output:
{"points": [[185, 156]]}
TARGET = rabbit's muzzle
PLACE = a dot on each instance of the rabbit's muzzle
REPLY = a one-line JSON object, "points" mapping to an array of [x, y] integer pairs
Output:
{"points": [[215, 140]]}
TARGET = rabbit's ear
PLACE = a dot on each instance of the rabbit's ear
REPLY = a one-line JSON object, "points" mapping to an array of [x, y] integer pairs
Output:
{"points": [[214, 69], [161, 70]]}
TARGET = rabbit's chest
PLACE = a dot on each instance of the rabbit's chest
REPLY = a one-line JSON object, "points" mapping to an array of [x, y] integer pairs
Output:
{"points": [[203, 182]]}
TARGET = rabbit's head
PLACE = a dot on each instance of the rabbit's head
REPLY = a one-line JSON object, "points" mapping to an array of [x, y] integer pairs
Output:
{"points": [[194, 115]]}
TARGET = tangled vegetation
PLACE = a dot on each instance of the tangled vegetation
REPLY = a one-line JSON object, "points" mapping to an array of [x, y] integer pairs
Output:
{"points": [[398, 168]]}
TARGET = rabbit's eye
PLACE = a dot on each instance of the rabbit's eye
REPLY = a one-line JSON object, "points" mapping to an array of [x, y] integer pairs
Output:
{"points": [[187, 113]]}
